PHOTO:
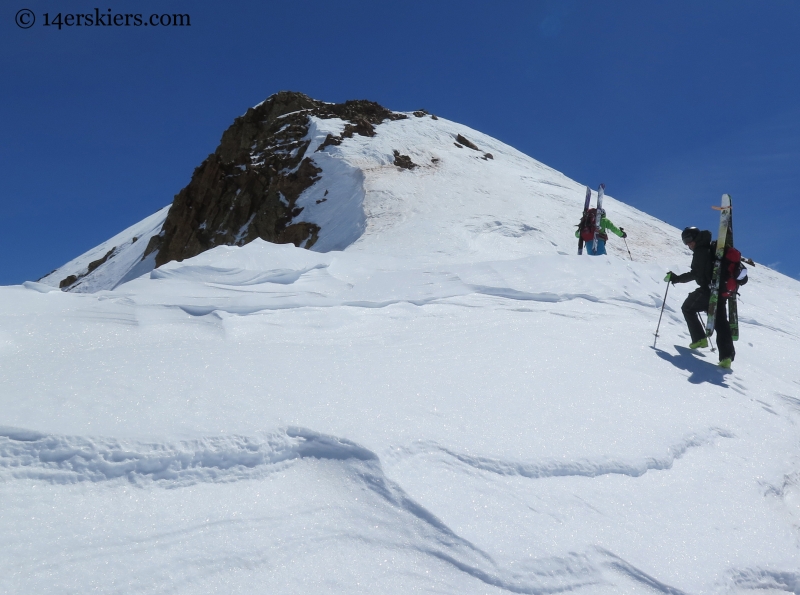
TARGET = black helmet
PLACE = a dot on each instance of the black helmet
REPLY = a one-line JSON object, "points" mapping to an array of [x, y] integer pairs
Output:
{"points": [[689, 234]]}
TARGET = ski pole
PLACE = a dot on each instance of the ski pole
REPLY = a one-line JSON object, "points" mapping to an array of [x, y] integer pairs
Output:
{"points": [[662, 313], [710, 343], [626, 243]]}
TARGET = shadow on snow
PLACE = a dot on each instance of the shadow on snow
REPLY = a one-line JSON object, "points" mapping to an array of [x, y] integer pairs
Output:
{"points": [[700, 369]]}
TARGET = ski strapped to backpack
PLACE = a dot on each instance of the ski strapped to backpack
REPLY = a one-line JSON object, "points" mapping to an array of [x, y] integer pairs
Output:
{"points": [[734, 275], [581, 239], [722, 237], [598, 217], [589, 226]]}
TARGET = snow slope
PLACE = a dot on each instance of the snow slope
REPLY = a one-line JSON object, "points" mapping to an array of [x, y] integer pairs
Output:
{"points": [[457, 204], [124, 258], [453, 403]]}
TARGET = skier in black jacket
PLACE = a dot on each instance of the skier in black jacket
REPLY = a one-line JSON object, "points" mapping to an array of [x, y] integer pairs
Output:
{"points": [[699, 242]]}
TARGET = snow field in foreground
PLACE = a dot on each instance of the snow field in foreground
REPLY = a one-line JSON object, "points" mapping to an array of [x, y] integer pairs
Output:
{"points": [[344, 422]]}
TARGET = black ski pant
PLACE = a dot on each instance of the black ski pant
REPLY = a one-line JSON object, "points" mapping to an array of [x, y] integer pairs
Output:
{"points": [[697, 302]]}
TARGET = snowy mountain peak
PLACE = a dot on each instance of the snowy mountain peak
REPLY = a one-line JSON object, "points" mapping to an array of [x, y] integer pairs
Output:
{"points": [[358, 176], [248, 188], [439, 395]]}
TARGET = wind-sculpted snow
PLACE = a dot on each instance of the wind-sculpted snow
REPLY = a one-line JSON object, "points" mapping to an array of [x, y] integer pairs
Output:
{"points": [[263, 276], [231, 277], [67, 460], [510, 429], [641, 578], [601, 465], [763, 580], [25, 454]]}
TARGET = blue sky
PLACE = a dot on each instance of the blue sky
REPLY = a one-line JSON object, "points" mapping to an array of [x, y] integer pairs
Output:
{"points": [[669, 103]]}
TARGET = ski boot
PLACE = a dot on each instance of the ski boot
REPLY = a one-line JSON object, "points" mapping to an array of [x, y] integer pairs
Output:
{"points": [[698, 344]]}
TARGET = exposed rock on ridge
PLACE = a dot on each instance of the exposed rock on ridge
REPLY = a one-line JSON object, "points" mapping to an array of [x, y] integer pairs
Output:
{"points": [[403, 161], [249, 186], [72, 279]]}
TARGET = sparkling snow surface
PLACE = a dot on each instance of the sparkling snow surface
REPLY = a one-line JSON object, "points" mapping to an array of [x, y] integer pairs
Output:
{"points": [[452, 402]]}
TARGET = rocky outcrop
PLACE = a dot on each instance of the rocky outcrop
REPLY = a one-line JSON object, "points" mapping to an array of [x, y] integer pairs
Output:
{"points": [[248, 188], [462, 141], [466, 142], [403, 161], [70, 281]]}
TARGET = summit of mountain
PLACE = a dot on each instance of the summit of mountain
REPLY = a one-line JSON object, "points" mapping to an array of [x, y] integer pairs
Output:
{"points": [[358, 176], [248, 188]]}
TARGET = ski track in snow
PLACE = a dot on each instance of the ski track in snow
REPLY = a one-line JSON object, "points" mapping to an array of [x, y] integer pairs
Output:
{"points": [[63, 460]]}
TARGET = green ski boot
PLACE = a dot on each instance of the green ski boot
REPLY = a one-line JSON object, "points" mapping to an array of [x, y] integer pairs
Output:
{"points": [[698, 344], [725, 363]]}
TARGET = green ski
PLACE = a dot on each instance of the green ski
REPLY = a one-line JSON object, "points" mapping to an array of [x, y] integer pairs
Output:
{"points": [[733, 308]]}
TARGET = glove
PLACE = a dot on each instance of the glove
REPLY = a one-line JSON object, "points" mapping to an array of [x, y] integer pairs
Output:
{"points": [[624, 235], [669, 277]]}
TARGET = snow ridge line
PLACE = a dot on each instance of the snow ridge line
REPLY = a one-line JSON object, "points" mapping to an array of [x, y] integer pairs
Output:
{"points": [[26, 454], [226, 278], [318, 301], [551, 297], [580, 467], [618, 564]]}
